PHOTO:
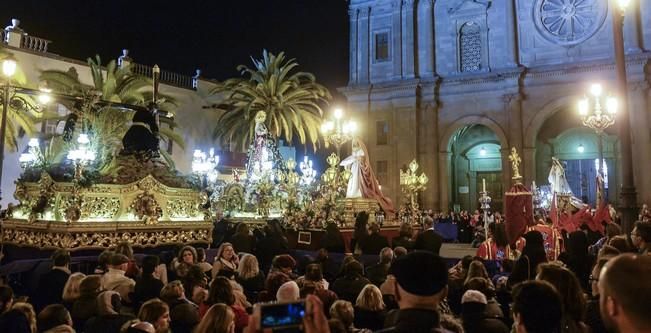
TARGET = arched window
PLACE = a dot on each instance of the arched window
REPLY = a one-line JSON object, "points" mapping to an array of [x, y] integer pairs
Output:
{"points": [[470, 47]]}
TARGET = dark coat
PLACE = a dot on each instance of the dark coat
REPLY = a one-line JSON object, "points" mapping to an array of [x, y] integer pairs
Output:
{"points": [[372, 320], [84, 308], [50, 288], [243, 243], [106, 324], [373, 244], [377, 273], [429, 240], [252, 286], [147, 287], [348, 288], [402, 241]]}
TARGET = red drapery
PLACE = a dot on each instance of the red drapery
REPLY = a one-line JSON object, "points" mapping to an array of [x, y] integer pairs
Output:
{"points": [[519, 212]]}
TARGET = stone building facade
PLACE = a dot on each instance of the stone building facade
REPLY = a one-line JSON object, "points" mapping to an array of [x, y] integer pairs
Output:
{"points": [[456, 83]]}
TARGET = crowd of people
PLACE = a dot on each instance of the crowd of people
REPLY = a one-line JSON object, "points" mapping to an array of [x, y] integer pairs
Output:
{"points": [[533, 287]]}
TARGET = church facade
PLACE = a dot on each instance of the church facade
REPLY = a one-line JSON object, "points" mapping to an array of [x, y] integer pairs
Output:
{"points": [[455, 84]]}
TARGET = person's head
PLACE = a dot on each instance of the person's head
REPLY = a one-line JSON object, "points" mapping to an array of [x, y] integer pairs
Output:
{"points": [[248, 267], [242, 229], [406, 230], [313, 273], [353, 269], [6, 298], [477, 269], [612, 230], [172, 291], [374, 228], [473, 302], [568, 288], [71, 288], [218, 319], [274, 281], [499, 234], [90, 285], [221, 291], [156, 312], [125, 248], [60, 258], [28, 310], [421, 280], [607, 251], [386, 255], [620, 243], [201, 254], [370, 298], [344, 312], [103, 259], [288, 292], [226, 252], [596, 271], [577, 244], [483, 285], [625, 293], [137, 326], [149, 264], [52, 316], [537, 307], [283, 263], [399, 251], [119, 261], [641, 235], [188, 255], [196, 276]]}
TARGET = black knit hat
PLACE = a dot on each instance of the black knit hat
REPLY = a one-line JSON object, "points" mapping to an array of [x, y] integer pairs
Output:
{"points": [[420, 273]]}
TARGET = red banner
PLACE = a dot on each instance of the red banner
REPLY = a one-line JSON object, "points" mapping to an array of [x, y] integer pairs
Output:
{"points": [[519, 212]]}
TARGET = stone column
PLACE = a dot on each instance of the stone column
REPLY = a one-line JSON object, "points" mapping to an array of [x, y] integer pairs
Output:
{"points": [[396, 38], [408, 39], [364, 46], [354, 37], [445, 157], [425, 37]]}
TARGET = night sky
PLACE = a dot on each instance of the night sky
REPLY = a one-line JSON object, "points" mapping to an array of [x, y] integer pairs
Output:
{"points": [[182, 36]]}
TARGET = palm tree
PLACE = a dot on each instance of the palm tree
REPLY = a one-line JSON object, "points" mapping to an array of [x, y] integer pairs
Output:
{"points": [[115, 85], [23, 112], [292, 101]]}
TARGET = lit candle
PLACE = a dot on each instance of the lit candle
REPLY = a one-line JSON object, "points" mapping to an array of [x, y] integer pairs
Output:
{"points": [[483, 184]]}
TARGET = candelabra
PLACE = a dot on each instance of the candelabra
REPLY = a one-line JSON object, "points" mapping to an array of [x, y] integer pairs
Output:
{"points": [[338, 131], [485, 205], [205, 166], [81, 156], [412, 184], [599, 121]]}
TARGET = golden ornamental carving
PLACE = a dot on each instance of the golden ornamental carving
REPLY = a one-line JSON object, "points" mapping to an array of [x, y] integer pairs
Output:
{"points": [[146, 208], [100, 207], [149, 183], [182, 208]]}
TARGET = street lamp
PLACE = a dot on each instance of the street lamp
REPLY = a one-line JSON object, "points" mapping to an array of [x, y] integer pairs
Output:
{"points": [[338, 131], [595, 117], [628, 195]]}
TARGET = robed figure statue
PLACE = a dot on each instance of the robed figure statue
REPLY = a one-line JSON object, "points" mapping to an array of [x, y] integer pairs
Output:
{"points": [[362, 182]]}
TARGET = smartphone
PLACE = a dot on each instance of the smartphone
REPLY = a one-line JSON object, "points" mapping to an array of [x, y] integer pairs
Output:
{"points": [[282, 315]]}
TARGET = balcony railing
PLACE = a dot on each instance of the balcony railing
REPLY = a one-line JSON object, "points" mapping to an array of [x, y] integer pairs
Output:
{"points": [[35, 44], [166, 77]]}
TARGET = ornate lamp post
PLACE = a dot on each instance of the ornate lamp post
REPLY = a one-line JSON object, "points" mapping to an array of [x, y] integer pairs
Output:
{"points": [[338, 131], [595, 117], [80, 156], [412, 183], [10, 98], [628, 195]]}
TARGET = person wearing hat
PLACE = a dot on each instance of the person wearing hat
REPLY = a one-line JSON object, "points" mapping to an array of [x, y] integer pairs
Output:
{"points": [[473, 315], [115, 278], [420, 284]]}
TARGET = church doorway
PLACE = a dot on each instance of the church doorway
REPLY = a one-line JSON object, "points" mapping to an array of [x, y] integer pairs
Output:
{"points": [[475, 158]]}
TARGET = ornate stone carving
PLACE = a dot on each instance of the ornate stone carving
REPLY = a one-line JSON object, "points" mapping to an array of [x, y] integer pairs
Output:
{"points": [[99, 207], [182, 208], [470, 47], [569, 22]]}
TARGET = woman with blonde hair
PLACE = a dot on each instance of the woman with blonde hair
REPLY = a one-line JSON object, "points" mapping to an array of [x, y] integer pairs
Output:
{"points": [[219, 319], [344, 312], [28, 310], [250, 277], [226, 261], [477, 269], [370, 309], [71, 289]]}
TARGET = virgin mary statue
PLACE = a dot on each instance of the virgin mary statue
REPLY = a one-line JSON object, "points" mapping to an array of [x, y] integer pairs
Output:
{"points": [[362, 182]]}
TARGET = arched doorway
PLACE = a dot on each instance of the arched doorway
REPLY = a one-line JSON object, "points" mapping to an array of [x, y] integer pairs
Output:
{"points": [[563, 136], [475, 156]]}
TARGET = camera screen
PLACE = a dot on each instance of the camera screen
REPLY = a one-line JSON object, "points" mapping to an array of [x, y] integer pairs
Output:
{"points": [[282, 315]]}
